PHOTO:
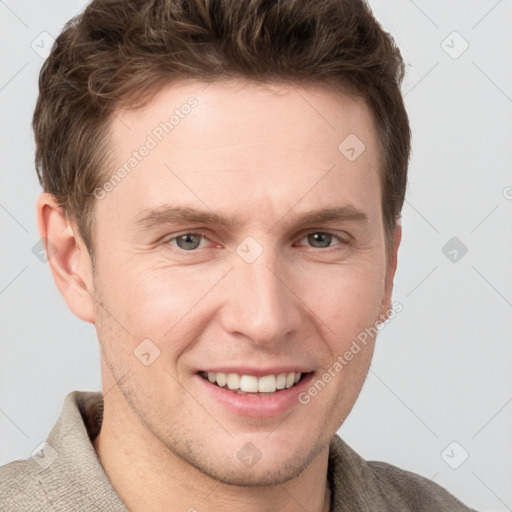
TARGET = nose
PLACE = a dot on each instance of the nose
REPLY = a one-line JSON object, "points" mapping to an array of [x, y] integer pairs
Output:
{"points": [[259, 301]]}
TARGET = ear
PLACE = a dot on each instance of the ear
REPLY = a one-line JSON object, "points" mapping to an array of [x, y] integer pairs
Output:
{"points": [[68, 257], [390, 273]]}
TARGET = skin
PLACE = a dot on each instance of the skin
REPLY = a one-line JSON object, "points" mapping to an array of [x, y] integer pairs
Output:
{"points": [[264, 155]]}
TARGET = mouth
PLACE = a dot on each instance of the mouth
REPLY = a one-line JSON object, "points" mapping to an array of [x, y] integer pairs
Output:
{"points": [[253, 385]]}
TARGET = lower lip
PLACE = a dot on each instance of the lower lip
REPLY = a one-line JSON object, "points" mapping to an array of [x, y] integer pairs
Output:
{"points": [[256, 405]]}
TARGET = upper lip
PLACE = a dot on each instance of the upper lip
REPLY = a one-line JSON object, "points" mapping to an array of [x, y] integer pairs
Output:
{"points": [[257, 372]]}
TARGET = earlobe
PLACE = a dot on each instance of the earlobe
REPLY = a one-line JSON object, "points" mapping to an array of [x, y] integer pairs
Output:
{"points": [[67, 256], [390, 273]]}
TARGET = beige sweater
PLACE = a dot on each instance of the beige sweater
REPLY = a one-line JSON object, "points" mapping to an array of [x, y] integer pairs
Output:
{"points": [[67, 475]]}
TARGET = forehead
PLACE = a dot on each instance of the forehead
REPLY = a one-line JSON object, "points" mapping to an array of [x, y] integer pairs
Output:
{"points": [[276, 115], [266, 144]]}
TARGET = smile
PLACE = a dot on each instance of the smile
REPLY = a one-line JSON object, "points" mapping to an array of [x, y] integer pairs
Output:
{"points": [[251, 384]]}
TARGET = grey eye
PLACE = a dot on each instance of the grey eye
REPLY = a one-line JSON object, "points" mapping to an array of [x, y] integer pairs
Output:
{"points": [[189, 241], [319, 240]]}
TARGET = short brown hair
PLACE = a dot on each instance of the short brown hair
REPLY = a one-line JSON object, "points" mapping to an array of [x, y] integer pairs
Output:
{"points": [[120, 52]]}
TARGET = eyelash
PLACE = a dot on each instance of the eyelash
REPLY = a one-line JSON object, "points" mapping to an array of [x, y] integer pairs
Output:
{"points": [[203, 235]]}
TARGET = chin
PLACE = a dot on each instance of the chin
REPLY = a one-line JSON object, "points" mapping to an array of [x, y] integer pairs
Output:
{"points": [[263, 476], [250, 467]]}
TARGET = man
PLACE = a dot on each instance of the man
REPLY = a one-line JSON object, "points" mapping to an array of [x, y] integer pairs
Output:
{"points": [[222, 189]]}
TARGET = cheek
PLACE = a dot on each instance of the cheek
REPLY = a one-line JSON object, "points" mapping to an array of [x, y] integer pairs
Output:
{"points": [[158, 301], [346, 298], [163, 306]]}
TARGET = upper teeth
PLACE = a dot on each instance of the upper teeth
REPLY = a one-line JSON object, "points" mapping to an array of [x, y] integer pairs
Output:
{"points": [[253, 384]]}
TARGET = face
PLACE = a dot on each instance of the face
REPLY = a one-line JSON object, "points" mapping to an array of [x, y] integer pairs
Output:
{"points": [[242, 245]]}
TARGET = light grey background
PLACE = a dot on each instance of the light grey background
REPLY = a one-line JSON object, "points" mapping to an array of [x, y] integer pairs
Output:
{"points": [[442, 370]]}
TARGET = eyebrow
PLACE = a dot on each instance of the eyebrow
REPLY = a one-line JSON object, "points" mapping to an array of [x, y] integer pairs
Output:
{"points": [[183, 214]]}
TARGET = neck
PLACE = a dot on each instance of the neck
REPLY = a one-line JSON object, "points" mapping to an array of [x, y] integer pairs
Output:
{"points": [[148, 476]]}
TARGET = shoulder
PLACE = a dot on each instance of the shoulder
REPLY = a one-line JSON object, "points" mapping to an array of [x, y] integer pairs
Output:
{"points": [[382, 486], [21, 489], [414, 491], [57, 474]]}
